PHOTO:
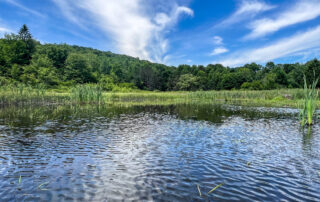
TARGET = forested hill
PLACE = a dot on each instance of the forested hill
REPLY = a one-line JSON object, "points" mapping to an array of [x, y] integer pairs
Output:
{"points": [[22, 59]]}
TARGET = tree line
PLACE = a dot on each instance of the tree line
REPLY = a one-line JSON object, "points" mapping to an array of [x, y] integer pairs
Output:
{"points": [[25, 60]]}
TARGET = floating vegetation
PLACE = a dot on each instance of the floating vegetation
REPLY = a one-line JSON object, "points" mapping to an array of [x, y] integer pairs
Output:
{"points": [[248, 163], [19, 180], [212, 190], [199, 190], [309, 105], [42, 185]]}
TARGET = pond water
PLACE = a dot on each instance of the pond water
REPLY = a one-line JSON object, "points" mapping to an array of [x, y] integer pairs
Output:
{"points": [[157, 153]]}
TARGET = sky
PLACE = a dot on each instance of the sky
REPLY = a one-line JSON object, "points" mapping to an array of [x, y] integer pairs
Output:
{"points": [[173, 32]]}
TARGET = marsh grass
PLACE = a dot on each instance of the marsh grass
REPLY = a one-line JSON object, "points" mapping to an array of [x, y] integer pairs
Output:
{"points": [[21, 94], [86, 94], [14, 94], [308, 110], [268, 98]]}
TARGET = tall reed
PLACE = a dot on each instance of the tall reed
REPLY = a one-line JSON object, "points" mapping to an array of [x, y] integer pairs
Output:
{"points": [[86, 94], [309, 104]]}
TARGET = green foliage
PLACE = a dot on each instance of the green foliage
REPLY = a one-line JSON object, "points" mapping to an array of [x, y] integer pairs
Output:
{"points": [[187, 82], [254, 85], [24, 60], [107, 83], [269, 81], [77, 69]]}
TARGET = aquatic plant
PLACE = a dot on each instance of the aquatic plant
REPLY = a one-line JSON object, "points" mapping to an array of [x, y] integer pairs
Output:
{"points": [[86, 94], [309, 103], [13, 94], [212, 190], [42, 185], [199, 190]]}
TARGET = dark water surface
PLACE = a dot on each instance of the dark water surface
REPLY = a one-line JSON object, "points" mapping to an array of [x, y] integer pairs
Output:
{"points": [[157, 154]]}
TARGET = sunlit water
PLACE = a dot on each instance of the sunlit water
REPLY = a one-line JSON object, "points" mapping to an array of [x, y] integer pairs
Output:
{"points": [[157, 154]]}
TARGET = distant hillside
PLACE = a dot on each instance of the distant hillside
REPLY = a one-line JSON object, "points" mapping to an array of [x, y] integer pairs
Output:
{"points": [[25, 60]]}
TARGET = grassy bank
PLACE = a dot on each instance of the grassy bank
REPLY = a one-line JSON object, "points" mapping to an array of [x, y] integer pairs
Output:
{"points": [[272, 98], [11, 95]]}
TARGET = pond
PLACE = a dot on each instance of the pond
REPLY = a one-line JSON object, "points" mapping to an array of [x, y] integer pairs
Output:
{"points": [[157, 153]]}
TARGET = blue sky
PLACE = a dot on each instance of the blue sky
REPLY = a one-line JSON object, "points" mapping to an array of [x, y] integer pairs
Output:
{"points": [[230, 32]]}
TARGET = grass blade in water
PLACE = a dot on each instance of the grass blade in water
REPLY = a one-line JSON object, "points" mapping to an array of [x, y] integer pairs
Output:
{"points": [[199, 190], [41, 185], [20, 179], [212, 190]]}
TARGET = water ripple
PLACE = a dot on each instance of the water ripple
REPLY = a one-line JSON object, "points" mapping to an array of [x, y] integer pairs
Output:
{"points": [[160, 155]]}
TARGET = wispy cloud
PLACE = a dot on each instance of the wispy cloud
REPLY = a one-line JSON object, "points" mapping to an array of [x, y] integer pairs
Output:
{"points": [[300, 12], [300, 42], [4, 30], [246, 9], [219, 50], [24, 8], [217, 40], [127, 22]]}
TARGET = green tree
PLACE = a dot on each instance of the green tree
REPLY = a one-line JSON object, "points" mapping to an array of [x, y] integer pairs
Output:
{"points": [[269, 81], [254, 85], [14, 51], [312, 71], [25, 35], [107, 82], [29, 75], [187, 82], [16, 72], [77, 69]]}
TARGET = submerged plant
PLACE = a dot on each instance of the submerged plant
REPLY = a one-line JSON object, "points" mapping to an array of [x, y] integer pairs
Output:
{"points": [[309, 105]]}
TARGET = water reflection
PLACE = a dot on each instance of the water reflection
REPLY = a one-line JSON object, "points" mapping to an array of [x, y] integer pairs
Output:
{"points": [[157, 153]]}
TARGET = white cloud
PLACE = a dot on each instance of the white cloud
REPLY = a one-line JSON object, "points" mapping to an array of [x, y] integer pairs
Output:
{"points": [[283, 48], [247, 9], [300, 12], [219, 50], [127, 22], [217, 40], [4, 30], [22, 7]]}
